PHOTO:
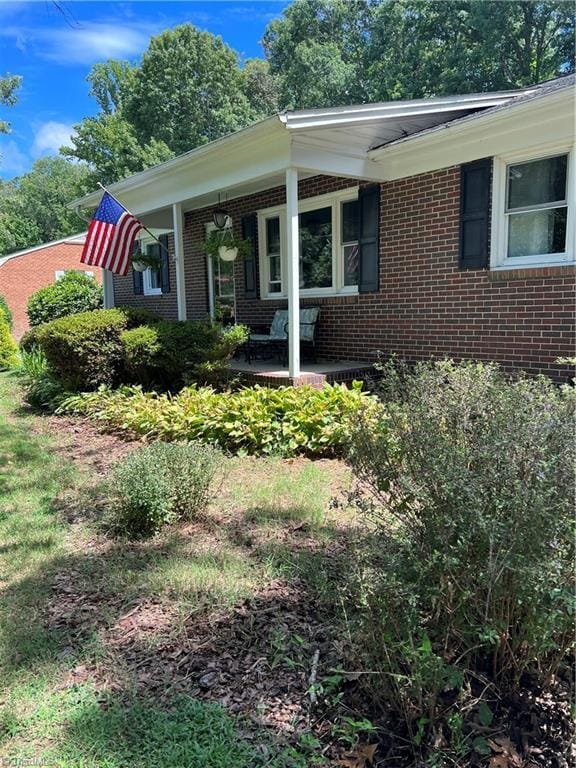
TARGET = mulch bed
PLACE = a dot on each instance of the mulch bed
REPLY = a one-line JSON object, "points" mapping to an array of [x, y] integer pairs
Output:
{"points": [[259, 658]]}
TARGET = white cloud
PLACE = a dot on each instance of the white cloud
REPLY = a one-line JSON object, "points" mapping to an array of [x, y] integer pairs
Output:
{"points": [[50, 137], [83, 44], [13, 162]]}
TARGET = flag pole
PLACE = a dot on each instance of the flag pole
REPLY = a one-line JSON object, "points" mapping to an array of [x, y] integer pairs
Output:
{"points": [[131, 214]]}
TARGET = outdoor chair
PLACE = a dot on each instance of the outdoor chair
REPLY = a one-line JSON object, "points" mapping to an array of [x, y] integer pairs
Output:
{"points": [[263, 345]]}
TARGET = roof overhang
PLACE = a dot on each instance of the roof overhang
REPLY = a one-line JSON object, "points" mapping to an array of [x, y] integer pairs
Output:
{"points": [[335, 142], [545, 119]]}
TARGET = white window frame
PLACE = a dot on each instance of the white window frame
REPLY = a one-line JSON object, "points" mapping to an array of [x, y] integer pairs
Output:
{"points": [[333, 200], [499, 258], [210, 227], [147, 288]]}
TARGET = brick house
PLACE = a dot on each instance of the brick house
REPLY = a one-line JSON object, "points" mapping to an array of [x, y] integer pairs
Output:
{"points": [[24, 272], [437, 227]]}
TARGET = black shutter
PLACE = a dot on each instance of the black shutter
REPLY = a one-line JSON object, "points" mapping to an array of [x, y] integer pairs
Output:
{"points": [[164, 264], [474, 213], [249, 232], [369, 238], [138, 279]]}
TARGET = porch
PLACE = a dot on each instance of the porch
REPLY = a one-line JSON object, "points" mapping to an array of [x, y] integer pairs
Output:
{"points": [[271, 373]]}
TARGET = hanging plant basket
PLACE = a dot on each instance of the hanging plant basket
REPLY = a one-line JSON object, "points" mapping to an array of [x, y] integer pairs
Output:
{"points": [[142, 262], [221, 244]]}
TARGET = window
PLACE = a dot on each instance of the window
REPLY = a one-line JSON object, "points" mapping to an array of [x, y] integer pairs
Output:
{"points": [[329, 252], [151, 277], [532, 220]]}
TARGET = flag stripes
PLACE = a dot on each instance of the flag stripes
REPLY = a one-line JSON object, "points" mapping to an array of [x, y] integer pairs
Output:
{"points": [[110, 237]]}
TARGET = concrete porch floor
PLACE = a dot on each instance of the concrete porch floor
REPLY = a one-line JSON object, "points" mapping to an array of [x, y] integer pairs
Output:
{"points": [[271, 373]]}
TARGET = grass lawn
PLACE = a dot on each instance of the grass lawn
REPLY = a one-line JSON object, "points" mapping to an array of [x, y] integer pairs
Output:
{"points": [[191, 650]]}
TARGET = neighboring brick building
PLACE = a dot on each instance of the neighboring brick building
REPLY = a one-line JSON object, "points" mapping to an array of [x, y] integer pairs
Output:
{"points": [[24, 272], [431, 228]]}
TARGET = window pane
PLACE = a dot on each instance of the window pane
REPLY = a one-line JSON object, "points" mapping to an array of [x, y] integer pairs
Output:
{"points": [[351, 253], [350, 211], [537, 232], [274, 268], [537, 183], [316, 248], [154, 278], [273, 235]]}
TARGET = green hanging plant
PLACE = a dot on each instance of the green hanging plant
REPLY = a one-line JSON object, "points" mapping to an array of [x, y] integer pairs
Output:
{"points": [[142, 261], [221, 243]]}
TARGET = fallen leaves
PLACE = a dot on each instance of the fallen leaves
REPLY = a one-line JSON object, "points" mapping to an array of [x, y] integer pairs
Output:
{"points": [[360, 758]]}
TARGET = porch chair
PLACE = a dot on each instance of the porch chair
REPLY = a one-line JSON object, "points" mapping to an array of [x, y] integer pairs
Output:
{"points": [[276, 340]]}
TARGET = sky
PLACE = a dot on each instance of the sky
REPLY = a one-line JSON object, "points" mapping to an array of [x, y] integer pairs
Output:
{"points": [[54, 50]]}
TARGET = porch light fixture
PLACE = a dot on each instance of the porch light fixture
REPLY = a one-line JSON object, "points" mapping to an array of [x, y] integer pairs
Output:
{"points": [[220, 218]]}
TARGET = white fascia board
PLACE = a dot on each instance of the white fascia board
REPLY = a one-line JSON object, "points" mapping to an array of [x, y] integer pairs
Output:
{"points": [[375, 112], [525, 125], [238, 142]]}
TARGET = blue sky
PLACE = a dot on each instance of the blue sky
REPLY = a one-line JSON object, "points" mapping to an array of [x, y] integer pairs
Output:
{"points": [[54, 52]]}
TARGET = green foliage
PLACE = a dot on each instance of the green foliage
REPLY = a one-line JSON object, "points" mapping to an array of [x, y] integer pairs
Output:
{"points": [[34, 207], [9, 84], [262, 421], [43, 391], [468, 479], [75, 292], [8, 347], [160, 484], [336, 52], [84, 350], [137, 316], [5, 312], [173, 353]]}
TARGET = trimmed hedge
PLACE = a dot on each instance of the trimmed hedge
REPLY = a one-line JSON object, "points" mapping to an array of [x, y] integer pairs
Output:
{"points": [[127, 345], [261, 421], [74, 292]]}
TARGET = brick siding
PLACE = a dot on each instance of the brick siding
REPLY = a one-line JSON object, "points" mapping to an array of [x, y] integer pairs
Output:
{"points": [[425, 306], [21, 276]]}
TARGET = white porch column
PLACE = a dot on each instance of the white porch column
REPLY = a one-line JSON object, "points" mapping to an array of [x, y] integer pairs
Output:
{"points": [[293, 231], [178, 224], [108, 286]]}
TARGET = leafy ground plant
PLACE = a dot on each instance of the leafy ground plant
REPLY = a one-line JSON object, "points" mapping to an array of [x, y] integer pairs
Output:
{"points": [[257, 420], [468, 590]]}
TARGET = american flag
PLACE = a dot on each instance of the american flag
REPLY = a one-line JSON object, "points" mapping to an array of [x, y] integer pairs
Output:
{"points": [[110, 237]]}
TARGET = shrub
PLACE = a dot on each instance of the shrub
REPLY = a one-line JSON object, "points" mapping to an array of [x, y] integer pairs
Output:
{"points": [[84, 350], [160, 484], [173, 353], [137, 316], [8, 347], [6, 312], [75, 292], [258, 420], [468, 478]]}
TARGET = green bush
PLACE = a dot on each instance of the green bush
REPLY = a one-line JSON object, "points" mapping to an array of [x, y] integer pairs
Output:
{"points": [[43, 391], [258, 420], [8, 347], [84, 350], [468, 478], [160, 484], [137, 316], [6, 312], [75, 292], [171, 354]]}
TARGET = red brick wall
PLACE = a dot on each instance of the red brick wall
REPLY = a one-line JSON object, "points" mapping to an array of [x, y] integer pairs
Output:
{"points": [[166, 304], [425, 305], [21, 276]]}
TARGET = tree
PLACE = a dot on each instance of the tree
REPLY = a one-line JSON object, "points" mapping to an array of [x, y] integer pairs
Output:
{"points": [[316, 51], [188, 90], [9, 84], [108, 142], [33, 207], [336, 52], [261, 87]]}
